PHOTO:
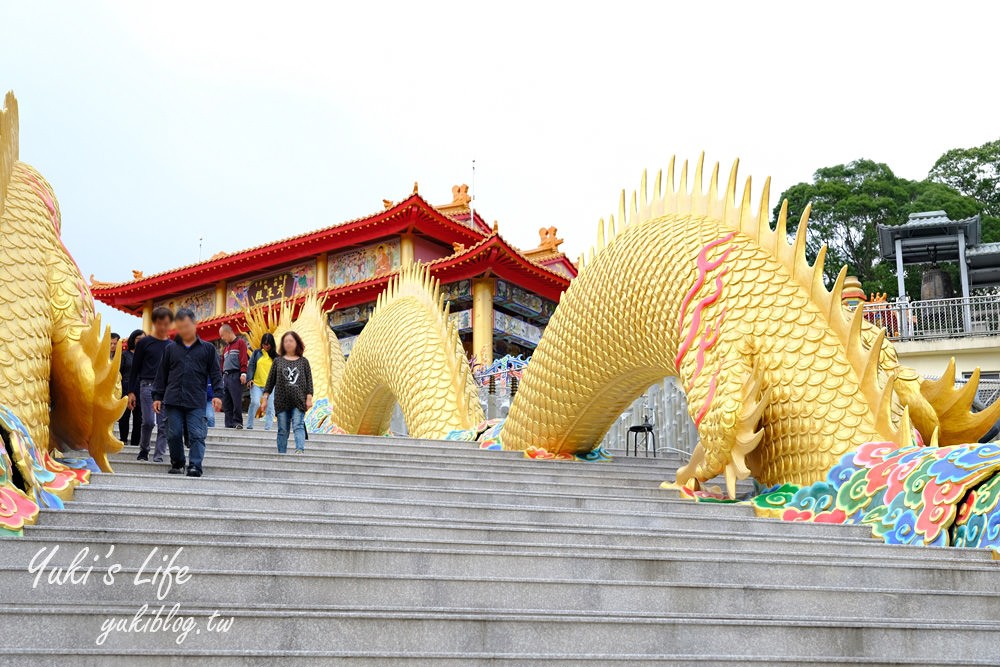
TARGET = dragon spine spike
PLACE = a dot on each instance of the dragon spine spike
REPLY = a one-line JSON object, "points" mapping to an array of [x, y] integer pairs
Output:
{"points": [[780, 229], [600, 235], [871, 370], [713, 184], [763, 212], [621, 207], [835, 307], [696, 188], [818, 291], [643, 196], [8, 144], [883, 413], [612, 233], [965, 395], [747, 221], [730, 196]]}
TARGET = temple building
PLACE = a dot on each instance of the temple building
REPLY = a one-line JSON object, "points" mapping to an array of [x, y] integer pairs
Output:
{"points": [[500, 296]]}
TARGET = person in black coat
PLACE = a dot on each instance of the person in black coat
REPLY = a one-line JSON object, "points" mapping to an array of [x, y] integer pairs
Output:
{"points": [[125, 370], [187, 365]]}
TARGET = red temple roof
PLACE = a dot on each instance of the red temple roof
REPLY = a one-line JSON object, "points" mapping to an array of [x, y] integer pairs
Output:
{"points": [[479, 251], [411, 214]]}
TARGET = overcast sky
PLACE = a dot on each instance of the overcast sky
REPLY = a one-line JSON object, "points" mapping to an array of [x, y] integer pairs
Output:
{"points": [[160, 124]]}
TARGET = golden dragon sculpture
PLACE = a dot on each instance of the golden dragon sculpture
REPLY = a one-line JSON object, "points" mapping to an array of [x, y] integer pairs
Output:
{"points": [[781, 379], [59, 387], [408, 353]]}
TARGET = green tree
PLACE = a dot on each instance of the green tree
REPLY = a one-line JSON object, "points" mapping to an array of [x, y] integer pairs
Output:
{"points": [[975, 173], [849, 201]]}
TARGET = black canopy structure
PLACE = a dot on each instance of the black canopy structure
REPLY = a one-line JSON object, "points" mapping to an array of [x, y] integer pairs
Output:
{"points": [[932, 237]]}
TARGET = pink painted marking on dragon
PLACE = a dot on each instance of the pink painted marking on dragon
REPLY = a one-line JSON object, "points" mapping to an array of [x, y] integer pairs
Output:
{"points": [[704, 266], [709, 336], [708, 339], [712, 386]]}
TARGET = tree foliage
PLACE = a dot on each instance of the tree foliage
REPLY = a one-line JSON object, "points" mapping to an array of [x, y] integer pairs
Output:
{"points": [[849, 201], [975, 173]]}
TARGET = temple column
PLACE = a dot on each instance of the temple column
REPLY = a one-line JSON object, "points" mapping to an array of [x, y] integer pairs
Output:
{"points": [[483, 290], [900, 271], [147, 316], [220, 297], [405, 249], [322, 272]]}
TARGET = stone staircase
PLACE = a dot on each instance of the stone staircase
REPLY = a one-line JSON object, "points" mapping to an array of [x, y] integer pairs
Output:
{"points": [[370, 551]]}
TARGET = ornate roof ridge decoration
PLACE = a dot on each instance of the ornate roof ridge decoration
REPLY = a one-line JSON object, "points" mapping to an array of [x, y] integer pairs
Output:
{"points": [[460, 199]]}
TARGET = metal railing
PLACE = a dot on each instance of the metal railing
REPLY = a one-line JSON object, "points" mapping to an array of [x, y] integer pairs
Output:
{"points": [[937, 318]]}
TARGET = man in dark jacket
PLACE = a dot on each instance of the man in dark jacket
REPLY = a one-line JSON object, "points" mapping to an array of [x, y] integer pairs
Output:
{"points": [[145, 363], [188, 364]]}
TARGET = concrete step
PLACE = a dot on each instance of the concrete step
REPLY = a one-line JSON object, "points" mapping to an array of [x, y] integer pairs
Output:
{"points": [[483, 515], [237, 548], [222, 463], [482, 479], [489, 632], [292, 508], [637, 499], [353, 444], [169, 658], [327, 441], [172, 524], [229, 588], [359, 556]]}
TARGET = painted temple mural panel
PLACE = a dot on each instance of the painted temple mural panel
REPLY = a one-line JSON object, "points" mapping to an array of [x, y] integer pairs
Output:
{"points": [[349, 316], [201, 302], [523, 302], [362, 263], [269, 287], [516, 328], [462, 320], [461, 289]]}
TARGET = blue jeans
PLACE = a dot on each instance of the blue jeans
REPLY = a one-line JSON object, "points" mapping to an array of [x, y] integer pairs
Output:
{"points": [[255, 394], [297, 419], [194, 420], [160, 421], [210, 414]]}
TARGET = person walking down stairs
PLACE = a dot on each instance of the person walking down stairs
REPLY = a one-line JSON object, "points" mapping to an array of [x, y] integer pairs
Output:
{"points": [[234, 375], [291, 382], [259, 369], [189, 363]]}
